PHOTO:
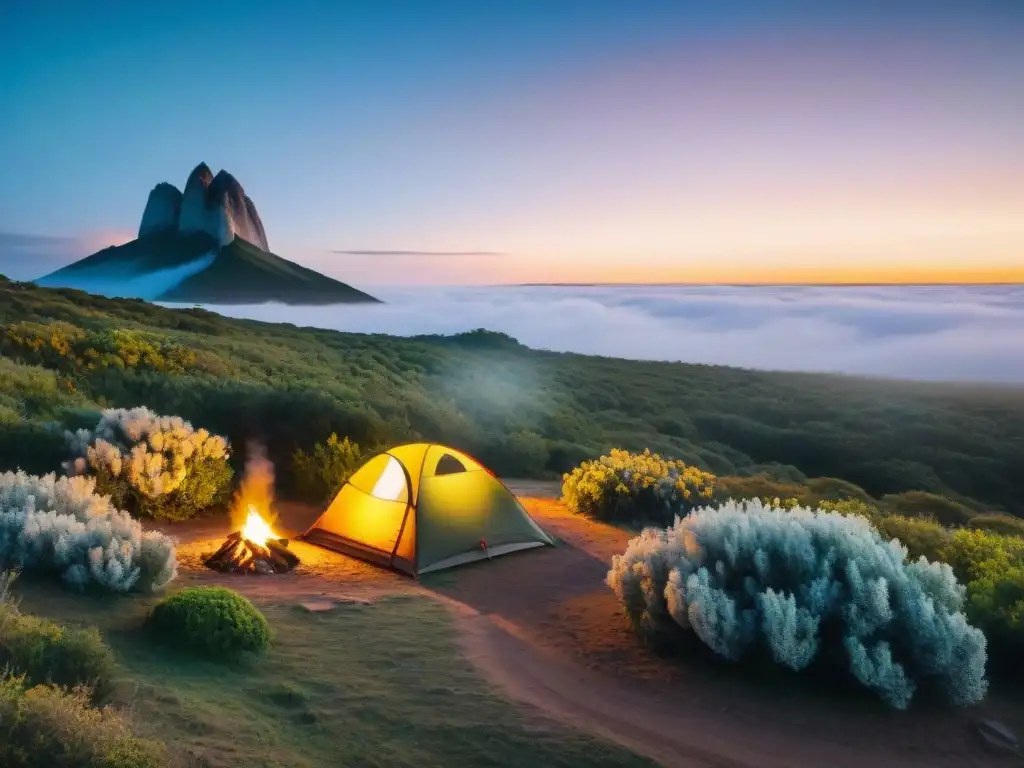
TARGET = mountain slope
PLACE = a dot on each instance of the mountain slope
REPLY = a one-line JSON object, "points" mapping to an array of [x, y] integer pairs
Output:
{"points": [[244, 274], [189, 268]]}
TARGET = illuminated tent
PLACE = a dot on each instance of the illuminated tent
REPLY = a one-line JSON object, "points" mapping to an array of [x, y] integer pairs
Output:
{"points": [[423, 507]]}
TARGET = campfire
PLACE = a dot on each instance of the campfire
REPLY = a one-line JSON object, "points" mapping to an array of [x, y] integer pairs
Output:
{"points": [[254, 548]]}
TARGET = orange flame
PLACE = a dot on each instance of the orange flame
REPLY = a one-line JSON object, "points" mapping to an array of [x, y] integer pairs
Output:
{"points": [[256, 529], [254, 501]]}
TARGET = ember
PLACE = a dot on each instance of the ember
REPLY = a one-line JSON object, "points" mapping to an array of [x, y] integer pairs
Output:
{"points": [[254, 548]]}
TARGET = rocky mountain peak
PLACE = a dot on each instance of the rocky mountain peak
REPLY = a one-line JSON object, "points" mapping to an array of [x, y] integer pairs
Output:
{"points": [[216, 205], [163, 209]]}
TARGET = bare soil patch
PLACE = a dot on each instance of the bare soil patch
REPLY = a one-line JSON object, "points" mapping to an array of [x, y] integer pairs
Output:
{"points": [[543, 627]]}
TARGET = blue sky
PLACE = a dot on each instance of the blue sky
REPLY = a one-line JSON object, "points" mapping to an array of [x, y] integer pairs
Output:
{"points": [[569, 140]]}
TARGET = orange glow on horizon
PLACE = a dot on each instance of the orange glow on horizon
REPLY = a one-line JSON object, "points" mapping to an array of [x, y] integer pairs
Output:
{"points": [[751, 275]]}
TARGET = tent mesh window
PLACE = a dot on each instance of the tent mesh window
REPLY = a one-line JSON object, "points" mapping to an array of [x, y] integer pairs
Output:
{"points": [[449, 465]]}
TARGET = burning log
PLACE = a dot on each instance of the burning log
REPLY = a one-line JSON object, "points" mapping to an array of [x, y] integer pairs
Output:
{"points": [[240, 555], [254, 549]]}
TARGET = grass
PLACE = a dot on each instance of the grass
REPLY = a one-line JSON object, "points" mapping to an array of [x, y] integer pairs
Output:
{"points": [[378, 685]]}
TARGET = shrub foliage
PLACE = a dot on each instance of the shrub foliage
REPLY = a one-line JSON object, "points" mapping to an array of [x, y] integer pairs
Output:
{"points": [[62, 526], [318, 476], [796, 585], [642, 487], [213, 621], [45, 652], [47, 726], [153, 466]]}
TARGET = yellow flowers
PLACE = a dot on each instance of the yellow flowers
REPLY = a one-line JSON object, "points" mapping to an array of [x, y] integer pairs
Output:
{"points": [[630, 487], [152, 465]]}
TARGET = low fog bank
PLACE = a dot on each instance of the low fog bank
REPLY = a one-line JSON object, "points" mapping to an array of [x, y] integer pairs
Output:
{"points": [[131, 281], [924, 332]]}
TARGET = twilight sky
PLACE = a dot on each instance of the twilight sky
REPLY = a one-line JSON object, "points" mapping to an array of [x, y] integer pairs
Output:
{"points": [[454, 142]]}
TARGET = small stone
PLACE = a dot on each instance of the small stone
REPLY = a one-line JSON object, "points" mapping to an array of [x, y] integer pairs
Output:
{"points": [[318, 606], [997, 735], [262, 566]]}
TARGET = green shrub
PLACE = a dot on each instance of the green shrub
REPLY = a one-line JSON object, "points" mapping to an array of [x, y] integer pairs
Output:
{"points": [[802, 586], [1008, 525], [977, 554], [319, 476], [33, 447], [922, 538], [810, 492], [927, 505], [992, 567], [46, 652], [153, 466], [46, 726], [631, 488], [212, 621]]}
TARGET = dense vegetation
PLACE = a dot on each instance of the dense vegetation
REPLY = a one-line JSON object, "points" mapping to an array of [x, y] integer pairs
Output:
{"points": [[803, 573], [44, 652], [65, 354], [49, 676]]}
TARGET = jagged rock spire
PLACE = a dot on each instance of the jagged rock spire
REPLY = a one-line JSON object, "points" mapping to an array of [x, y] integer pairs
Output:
{"points": [[216, 205]]}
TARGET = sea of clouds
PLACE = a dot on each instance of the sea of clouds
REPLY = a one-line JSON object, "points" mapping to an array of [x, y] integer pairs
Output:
{"points": [[926, 332]]}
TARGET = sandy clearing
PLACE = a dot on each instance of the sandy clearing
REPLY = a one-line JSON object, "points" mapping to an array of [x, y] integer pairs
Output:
{"points": [[543, 628]]}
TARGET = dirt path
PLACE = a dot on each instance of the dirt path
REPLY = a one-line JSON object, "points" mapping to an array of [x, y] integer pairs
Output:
{"points": [[543, 628]]}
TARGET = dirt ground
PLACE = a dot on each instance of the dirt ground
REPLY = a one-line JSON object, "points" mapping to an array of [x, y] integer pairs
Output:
{"points": [[543, 627]]}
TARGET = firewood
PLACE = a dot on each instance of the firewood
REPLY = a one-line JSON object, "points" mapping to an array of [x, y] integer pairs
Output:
{"points": [[222, 552], [240, 555], [281, 551]]}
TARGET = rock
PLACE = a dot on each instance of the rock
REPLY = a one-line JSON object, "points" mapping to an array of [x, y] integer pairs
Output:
{"points": [[163, 209], [352, 600], [322, 606], [262, 566], [998, 736], [256, 224], [318, 606], [218, 206], [193, 217]]}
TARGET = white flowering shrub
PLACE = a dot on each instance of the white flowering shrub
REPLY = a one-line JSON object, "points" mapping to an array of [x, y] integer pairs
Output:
{"points": [[629, 487], [153, 466], [749, 580], [62, 526]]}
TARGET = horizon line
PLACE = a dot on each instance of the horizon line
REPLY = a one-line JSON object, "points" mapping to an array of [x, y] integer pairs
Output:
{"points": [[765, 283]]}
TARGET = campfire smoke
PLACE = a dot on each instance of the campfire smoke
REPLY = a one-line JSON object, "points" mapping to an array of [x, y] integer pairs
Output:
{"points": [[254, 547], [255, 494]]}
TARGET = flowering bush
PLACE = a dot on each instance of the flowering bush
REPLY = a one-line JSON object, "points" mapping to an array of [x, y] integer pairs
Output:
{"points": [[63, 526], [628, 487], [154, 466], [794, 584]]}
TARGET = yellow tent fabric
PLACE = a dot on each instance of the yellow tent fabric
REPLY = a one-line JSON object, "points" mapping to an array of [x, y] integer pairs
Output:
{"points": [[423, 507]]}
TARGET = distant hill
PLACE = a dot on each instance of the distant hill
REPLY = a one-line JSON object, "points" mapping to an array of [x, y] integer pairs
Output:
{"points": [[206, 245]]}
